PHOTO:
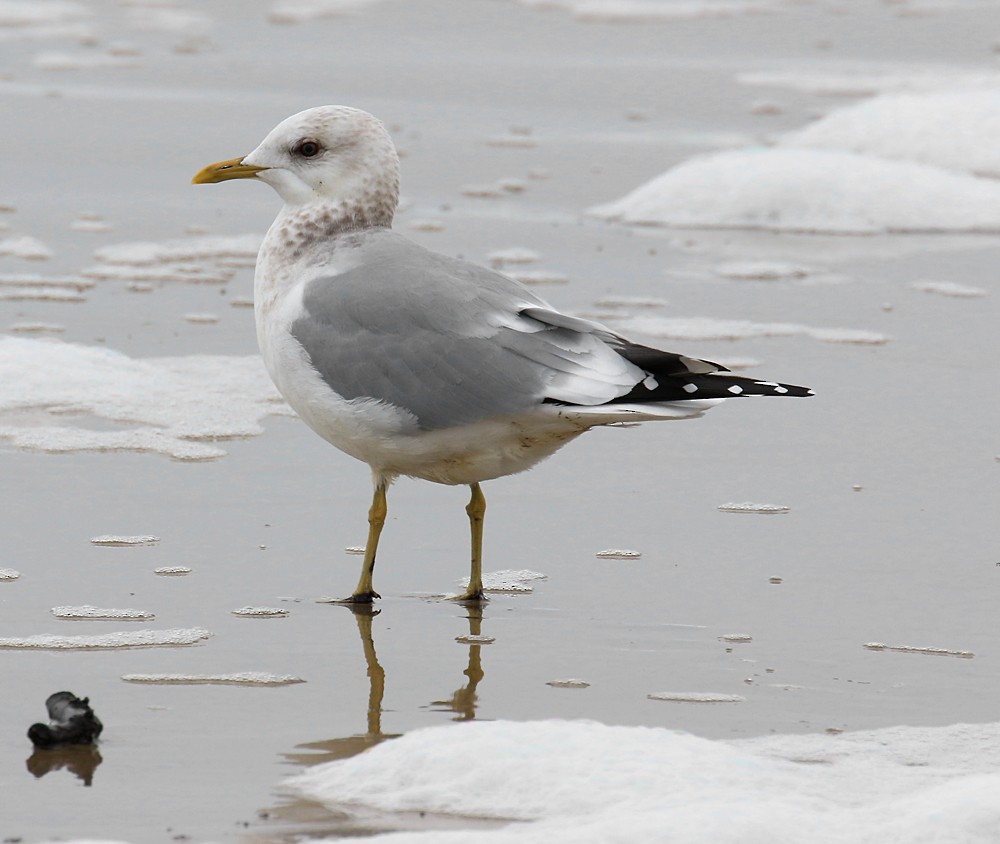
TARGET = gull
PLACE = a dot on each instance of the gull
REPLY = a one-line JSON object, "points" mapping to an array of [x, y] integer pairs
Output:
{"points": [[423, 365]]}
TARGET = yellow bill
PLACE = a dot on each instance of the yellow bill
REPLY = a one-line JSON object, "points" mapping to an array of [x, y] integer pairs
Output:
{"points": [[223, 171]]}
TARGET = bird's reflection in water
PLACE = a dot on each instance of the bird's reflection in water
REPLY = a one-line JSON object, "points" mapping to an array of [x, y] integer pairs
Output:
{"points": [[79, 759], [312, 753], [463, 701], [299, 819]]}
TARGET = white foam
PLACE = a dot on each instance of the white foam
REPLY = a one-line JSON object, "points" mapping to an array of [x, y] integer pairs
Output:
{"points": [[425, 225], [696, 697], [131, 639], [25, 247], [568, 683], [950, 288], [864, 80], [299, 11], [172, 571], [753, 507], [618, 554], [120, 540], [260, 612], [707, 328], [514, 255], [36, 328], [202, 318], [578, 782], [807, 190], [475, 639], [762, 270], [88, 612], [506, 580], [639, 11], [9, 574], [239, 678], [30, 13], [160, 405], [911, 649], [631, 302], [70, 282], [183, 272], [40, 294], [537, 276], [81, 60], [736, 637], [958, 130], [200, 248]]}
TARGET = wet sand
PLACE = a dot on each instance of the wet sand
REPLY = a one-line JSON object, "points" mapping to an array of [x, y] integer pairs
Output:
{"points": [[909, 558]]}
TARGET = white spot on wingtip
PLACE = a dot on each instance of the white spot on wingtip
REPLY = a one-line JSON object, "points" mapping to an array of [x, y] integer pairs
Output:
{"points": [[690, 388], [736, 389], [650, 382]]}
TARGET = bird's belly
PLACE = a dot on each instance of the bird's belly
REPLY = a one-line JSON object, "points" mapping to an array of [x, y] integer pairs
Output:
{"points": [[389, 439]]}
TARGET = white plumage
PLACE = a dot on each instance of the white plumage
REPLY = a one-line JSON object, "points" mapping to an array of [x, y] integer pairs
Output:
{"points": [[423, 365]]}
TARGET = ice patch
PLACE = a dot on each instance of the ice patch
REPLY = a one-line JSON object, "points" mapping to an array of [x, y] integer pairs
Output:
{"points": [[161, 405], [172, 571], [239, 678], [736, 637], [909, 649], [587, 783], [131, 639], [810, 191], [97, 613], [123, 541], [752, 507], [949, 288], [618, 554], [706, 328], [568, 683], [9, 574], [957, 130], [25, 247]]}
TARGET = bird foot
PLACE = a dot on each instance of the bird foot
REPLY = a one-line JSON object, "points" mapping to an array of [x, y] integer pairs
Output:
{"points": [[356, 598], [469, 596]]}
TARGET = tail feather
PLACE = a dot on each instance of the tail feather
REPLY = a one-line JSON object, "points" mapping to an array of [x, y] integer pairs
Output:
{"points": [[673, 377]]}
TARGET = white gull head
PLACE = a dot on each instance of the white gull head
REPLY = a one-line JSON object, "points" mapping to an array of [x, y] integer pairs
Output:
{"points": [[330, 156]]}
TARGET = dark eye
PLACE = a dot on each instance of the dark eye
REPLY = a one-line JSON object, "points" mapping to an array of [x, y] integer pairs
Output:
{"points": [[307, 148]]}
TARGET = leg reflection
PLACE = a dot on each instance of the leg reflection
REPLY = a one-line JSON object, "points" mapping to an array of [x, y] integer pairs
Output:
{"points": [[340, 748], [463, 701]]}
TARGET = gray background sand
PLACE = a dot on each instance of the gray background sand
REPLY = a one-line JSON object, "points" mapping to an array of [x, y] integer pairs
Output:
{"points": [[910, 559]]}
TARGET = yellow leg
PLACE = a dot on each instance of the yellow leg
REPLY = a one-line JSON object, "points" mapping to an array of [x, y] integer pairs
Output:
{"points": [[365, 593], [476, 510]]}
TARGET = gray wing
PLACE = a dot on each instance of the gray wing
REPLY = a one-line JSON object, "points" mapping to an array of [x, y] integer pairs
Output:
{"points": [[451, 342]]}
